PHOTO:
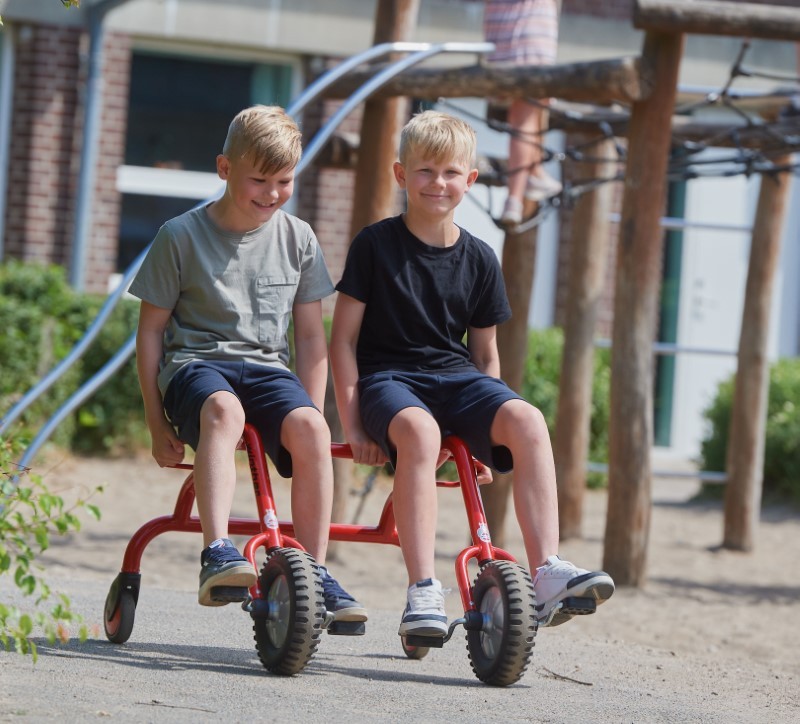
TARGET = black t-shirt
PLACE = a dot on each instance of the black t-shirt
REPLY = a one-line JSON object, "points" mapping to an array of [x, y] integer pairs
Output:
{"points": [[420, 299]]}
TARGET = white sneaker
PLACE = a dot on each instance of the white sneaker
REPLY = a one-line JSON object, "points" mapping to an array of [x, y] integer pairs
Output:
{"points": [[424, 614], [512, 213], [542, 187], [563, 591]]}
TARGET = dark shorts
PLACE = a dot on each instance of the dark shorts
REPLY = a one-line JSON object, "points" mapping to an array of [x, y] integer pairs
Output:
{"points": [[267, 395], [463, 404]]}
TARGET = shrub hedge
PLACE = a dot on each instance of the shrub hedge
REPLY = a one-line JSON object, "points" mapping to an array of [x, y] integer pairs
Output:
{"points": [[782, 447], [41, 319]]}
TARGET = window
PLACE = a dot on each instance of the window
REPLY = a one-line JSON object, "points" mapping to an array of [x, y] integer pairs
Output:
{"points": [[178, 114]]}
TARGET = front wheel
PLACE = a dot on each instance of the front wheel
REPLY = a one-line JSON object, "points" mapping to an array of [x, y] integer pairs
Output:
{"points": [[288, 617], [501, 649]]}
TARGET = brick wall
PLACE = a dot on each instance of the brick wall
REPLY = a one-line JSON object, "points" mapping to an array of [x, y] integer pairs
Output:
{"points": [[46, 138]]}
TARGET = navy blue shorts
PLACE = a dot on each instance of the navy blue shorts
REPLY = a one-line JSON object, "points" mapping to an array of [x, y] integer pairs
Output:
{"points": [[462, 403], [267, 395]]}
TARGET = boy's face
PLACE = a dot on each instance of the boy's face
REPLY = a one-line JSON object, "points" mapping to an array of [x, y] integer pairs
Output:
{"points": [[434, 187], [253, 197]]}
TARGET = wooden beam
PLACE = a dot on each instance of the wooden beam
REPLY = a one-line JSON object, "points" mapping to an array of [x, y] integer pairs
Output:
{"points": [[714, 17], [605, 81], [745, 463], [638, 278]]}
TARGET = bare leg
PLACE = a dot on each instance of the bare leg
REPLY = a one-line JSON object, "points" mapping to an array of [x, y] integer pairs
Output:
{"points": [[522, 428], [221, 426], [523, 153], [306, 436], [417, 438]]}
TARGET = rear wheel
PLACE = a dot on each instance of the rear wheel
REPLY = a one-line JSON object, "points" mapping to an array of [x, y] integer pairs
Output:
{"points": [[288, 617], [413, 652], [119, 612], [501, 649]]}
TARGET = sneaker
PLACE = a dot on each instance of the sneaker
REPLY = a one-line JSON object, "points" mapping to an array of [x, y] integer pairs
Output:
{"points": [[223, 565], [338, 602], [542, 187], [424, 614], [557, 580], [512, 213]]}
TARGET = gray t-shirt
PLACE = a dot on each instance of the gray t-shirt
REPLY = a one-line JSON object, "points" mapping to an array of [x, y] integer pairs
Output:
{"points": [[231, 294]]}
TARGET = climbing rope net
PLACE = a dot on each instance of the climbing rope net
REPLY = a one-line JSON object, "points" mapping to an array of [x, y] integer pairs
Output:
{"points": [[760, 130]]}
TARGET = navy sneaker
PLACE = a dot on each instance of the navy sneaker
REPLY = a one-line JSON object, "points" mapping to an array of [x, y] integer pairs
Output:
{"points": [[338, 602], [222, 565], [424, 614]]}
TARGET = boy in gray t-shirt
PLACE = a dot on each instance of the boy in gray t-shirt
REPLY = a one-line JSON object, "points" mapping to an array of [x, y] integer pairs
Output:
{"points": [[218, 289]]}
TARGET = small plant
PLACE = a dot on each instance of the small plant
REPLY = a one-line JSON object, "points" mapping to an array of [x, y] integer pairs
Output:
{"points": [[29, 516]]}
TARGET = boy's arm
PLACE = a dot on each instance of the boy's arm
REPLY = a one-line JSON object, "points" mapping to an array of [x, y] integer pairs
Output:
{"points": [[347, 319], [482, 345], [167, 448], [311, 350]]}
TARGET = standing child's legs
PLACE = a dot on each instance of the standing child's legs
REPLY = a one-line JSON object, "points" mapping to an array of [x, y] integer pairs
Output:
{"points": [[561, 588]]}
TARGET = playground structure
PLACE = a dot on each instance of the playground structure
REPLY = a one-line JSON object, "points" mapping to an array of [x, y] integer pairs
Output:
{"points": [[649, 84]]}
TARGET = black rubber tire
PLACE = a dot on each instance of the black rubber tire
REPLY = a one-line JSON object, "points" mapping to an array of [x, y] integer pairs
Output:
{"points": [[414, 652], [501, 650], [287, 638], [119, 614]]}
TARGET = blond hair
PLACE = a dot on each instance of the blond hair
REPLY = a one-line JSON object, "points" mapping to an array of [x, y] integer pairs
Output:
{"points": [[266, 135], [438, 136]]}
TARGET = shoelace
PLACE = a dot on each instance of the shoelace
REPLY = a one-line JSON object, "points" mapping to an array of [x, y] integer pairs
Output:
{"points": [[427, 597], [332, 589]]}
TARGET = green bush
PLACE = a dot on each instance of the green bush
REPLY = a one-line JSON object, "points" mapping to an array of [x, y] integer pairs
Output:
{"points": [[41, 319], [782, 447], [540, 387]]}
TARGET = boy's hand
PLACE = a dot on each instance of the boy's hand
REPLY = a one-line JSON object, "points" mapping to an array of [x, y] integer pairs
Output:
{"points": [[366, 451], [167, 449], [484, 474]]}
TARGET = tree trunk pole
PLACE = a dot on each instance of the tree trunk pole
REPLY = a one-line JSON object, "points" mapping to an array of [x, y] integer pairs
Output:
{"points": [[519, 263], [588, 254], [745, 461], [375, 188], [635, 312]]}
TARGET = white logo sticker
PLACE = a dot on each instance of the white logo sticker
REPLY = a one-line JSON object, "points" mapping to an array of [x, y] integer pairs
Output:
{"points": [[271, 520], [483, 533]]}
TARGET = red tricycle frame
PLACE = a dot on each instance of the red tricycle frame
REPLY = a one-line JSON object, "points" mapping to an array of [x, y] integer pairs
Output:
{"points": [[503, 581]]}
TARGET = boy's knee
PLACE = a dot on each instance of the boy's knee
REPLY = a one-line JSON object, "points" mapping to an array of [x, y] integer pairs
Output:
{"points": [[305, 426], [520, 418], [222, 409], [415, 428]]}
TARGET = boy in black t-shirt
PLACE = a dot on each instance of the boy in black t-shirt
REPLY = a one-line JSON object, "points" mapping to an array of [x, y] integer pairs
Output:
{"points": [[412, 287]]}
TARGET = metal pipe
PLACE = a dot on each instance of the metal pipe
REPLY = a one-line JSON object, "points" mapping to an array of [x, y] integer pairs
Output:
{"points": [[91, 140], [7, 58], [85, 392]]}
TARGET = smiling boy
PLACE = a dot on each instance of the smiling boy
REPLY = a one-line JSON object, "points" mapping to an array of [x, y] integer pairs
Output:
{"points": [[413, 287], [218, 288]]}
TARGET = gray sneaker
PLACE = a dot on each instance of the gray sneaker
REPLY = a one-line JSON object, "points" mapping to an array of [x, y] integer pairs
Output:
{"points": [[222, 565]]}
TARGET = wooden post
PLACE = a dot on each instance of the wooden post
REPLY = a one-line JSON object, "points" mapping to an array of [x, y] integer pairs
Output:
{"points": [[588, 254], [519, 263], [635, 315], [375, 195], [745, 462]]}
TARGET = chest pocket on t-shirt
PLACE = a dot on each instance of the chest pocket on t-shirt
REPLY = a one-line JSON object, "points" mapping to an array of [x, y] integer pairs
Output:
{"points": [[275, 298]]}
